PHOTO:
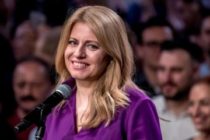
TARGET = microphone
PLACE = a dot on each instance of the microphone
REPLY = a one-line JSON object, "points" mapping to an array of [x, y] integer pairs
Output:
{"points": [[63, 91]]}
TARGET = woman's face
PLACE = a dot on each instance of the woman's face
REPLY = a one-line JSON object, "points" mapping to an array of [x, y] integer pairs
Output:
{"points": [[85, 59], [199, 107]]}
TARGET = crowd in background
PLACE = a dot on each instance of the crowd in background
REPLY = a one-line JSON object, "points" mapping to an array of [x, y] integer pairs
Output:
{"points": [[171, 45]]}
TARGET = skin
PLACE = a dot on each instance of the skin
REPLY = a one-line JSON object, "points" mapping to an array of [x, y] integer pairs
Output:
{"points": [[205, 34], [199, 109], [154, 34], [85, 60], [31, 86], [150, 49], [24, 41], [175, 72]]}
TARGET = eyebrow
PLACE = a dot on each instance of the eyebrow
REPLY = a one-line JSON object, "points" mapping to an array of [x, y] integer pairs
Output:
{"points": [[86, 41]]}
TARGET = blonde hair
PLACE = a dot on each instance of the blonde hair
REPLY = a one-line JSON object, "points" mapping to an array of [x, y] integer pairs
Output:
{"points": [[110, 32]]}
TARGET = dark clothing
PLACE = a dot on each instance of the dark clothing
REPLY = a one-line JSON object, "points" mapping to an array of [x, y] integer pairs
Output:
{"points": [[142, 82], [6, 131], [14, 120]]}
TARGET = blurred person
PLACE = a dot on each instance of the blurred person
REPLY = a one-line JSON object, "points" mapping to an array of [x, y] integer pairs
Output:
{"points": [[32, 84], [155, 31], [94, 52], [176, 72], [205, 45], [46, 45], [8, 63], [184, 15], [23, 42], [139, 11], [199, 107], [205, 33]]}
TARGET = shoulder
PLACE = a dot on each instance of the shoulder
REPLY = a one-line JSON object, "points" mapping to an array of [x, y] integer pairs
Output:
{"points": [[140, 117], [139, 101], [137, 96]]}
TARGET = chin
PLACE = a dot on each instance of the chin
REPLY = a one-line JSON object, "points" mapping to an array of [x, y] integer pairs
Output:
{"points": [[169, 95], [28, 106]]}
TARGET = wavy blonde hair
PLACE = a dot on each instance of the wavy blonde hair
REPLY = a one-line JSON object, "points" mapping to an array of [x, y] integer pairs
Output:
{"points": [[110, 32]]}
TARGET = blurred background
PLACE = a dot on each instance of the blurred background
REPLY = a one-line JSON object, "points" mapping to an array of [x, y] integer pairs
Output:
{"points": [[33, 27]]}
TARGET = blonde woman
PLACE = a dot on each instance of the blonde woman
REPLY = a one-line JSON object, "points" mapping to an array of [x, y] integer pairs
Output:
{"points": [[105, 104]]}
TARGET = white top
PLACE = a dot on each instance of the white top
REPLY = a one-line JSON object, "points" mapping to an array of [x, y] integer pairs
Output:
{"points": [[173, 127]]}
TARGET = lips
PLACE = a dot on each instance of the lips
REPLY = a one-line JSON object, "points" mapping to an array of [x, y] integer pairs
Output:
{"points": [[168, 88], [79, 65]]}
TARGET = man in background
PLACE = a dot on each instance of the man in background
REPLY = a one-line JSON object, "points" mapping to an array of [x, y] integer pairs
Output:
{"points": [[155, 31], [176, 72], [32, 84]]}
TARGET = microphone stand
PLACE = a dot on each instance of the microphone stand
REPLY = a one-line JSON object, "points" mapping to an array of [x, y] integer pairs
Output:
{"points": [[40, 115], [40, 125]]}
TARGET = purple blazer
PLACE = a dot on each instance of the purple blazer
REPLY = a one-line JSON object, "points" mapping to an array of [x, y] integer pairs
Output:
{"points": [[138, 121]]}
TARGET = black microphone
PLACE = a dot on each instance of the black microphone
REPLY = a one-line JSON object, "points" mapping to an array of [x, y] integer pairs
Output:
{"points": [[63, 91]]}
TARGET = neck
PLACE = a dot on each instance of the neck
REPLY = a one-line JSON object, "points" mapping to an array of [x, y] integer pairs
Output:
{"points": [[85, 88], [177, 107], [83, 95]]}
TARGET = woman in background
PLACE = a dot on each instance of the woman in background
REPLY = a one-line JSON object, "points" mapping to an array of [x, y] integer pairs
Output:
{"points": [[199, 107]]}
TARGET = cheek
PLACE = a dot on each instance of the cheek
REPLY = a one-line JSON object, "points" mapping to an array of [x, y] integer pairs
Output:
{"points": [[67, 52], [190, 110], [148, 52], [181, 78], [17, 91], [67, 55], [207, 111]]}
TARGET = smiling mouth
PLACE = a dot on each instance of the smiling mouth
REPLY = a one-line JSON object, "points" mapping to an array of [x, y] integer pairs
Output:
{"points": [[79, 65]]}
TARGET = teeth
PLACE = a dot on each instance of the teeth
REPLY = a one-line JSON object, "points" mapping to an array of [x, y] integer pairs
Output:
{"points": [[79, 65]]}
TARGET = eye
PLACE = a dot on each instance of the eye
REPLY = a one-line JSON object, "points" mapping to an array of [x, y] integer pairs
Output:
{"points": [[190, 104], [160, 69], [21, 84], [72, 42], [92, 46], [205, 102]]}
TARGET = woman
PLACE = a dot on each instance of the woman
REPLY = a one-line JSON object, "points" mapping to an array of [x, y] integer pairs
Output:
{"points": [[105, 104], [199, 107]]}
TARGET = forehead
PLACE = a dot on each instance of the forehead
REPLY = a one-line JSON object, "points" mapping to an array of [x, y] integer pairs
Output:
{"points": [[83, 28], [161, 33], [200, 90], [174, 57], [31, 69]]}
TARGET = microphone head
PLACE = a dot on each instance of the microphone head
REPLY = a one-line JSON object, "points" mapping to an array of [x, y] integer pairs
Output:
{"points": [[64, 90]]}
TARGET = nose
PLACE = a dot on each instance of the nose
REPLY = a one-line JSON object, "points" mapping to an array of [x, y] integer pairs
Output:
{"points": [[166, 76], [80, 51], [195, 110], [27, 90]]}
